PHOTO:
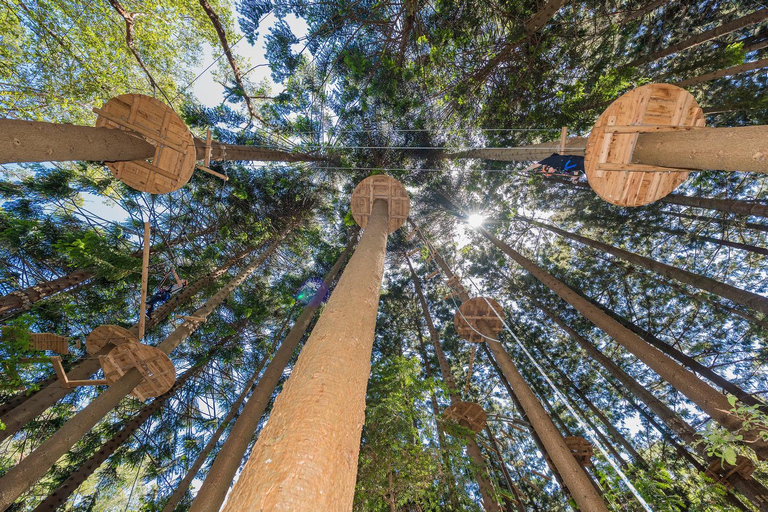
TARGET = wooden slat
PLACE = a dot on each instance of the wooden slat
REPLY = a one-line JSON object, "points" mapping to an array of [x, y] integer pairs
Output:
{"points": [[637, 168], [139, 129], [144, 280], [212, 172]]}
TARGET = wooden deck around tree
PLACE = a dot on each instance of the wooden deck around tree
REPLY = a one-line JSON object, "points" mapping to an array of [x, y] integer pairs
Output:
{"points": [[103, 334], [466, 319], [175, 155], [608, 161], [153, 364], [467, 414]]}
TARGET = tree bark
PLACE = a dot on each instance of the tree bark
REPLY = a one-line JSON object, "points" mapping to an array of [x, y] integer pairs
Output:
{"points": [[37, 141], [748, 487], [21, 477], [745, 298], [703, 395], [215, 486], [734, 70], [306, 456], [530, 153], [19, 412], [231, 152], [703, 218], [708, 35], [739, 149], [479, 467]]}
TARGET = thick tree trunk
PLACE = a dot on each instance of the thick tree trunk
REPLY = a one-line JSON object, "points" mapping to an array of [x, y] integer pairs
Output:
{"points": [[36, 141], [479, 467], [214, 489], [20, 478], [734, 70], [306, 456], [749, 488], [19, 412], [739, 149], [703, 395], [737, 295], [21, 300], [708, 35]]}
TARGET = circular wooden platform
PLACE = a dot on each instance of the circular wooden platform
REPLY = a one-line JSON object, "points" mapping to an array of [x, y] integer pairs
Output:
{"points": [[103, 334], [466, 319], [608, 161], [156, 367], [175, 156], [467, 414], [380, 186]]}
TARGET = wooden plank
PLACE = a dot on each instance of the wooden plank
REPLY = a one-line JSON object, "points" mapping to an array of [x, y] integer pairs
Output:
{"points": [[208, 149], [144, 280], [563, 136], [212, 172]]}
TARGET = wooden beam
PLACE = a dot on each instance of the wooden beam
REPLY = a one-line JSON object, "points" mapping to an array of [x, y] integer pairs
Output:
{"points": [[144, 280], [649, 128], [638, 168], [208, 149], [563, 137], [143, 131], [212, 172], [65, 382]]}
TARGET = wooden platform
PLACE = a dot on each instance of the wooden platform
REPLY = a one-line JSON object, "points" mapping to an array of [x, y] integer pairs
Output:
{"points": [[581, 449], [608, 160], [103, 334], [721, 473], [471, 312], [467, 414], [175, 154], [39, 340], [156, 367], [380, 186]]}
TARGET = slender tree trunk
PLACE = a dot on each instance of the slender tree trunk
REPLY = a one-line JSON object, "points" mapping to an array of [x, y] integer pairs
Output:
{"points": [[544, 449], [734, 70], [313, 433], [25, 408], [215, 486], [529, 153], [703, 395], [231, 152], [737, 295], [685, 360], [647, 8], [22, 300], [575, 478], [479, 467], [703, 218], [750, 488], [507, 477], [36, 141], [736, 206], [20, 478], [708, 35]]}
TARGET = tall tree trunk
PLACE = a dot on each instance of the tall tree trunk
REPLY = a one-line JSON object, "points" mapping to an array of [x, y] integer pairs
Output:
{"points": [[703, 218], [479, 467], [20, 478], [22, 300], [748, 487], [726, 28], [736, 206], [703, 395], [529, 153], [737, 295], [720, 73], [305, 438], [87, 468], [215, 486], [684, 359], [24, 408], [232, 152], [505, 471], [576, 480]]}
